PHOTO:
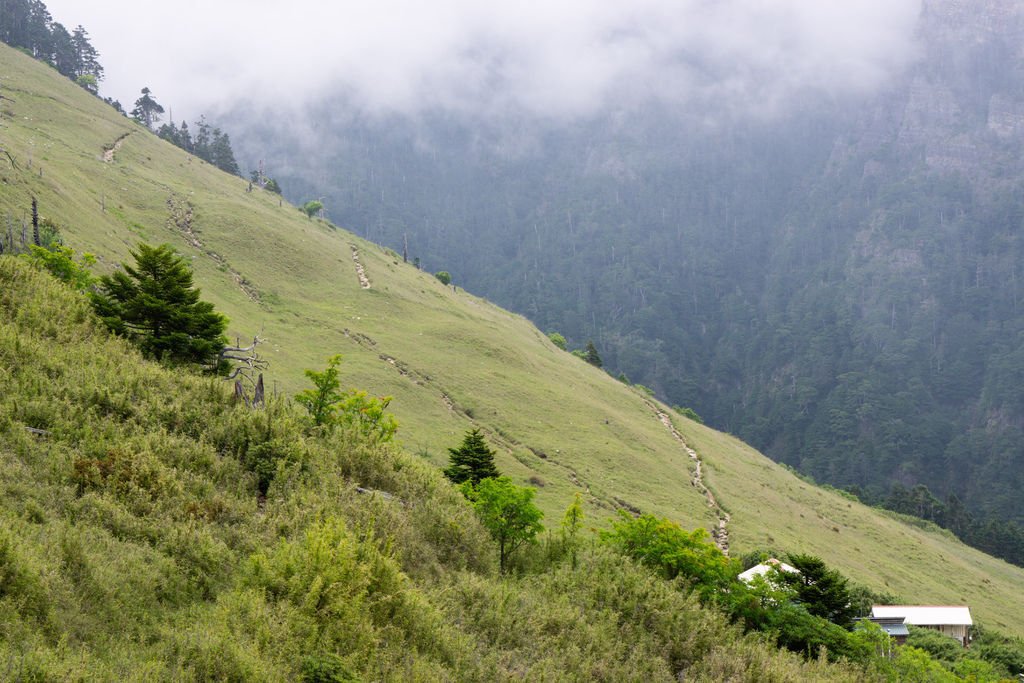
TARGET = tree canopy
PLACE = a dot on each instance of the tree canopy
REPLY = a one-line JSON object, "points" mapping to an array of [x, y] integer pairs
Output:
{"points": [[673, 551], [508, 513], [329, 406], [823, 592], [27, 24], [154, 304]]}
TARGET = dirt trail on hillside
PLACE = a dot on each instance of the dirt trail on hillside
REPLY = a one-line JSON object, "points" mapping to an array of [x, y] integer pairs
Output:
{"points": [[109, 152], [364, 281], [180, 216], [496, 436], [721, 533]]}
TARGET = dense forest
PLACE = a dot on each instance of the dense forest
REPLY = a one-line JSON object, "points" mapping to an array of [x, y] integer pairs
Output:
{"points": [[837, 285], [27, 24]]}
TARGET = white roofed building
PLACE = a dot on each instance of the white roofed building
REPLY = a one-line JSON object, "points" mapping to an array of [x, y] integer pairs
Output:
{"points": [[952, 620]]}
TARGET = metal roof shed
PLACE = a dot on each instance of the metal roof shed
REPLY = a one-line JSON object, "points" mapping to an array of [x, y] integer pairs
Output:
{"points": [[952, 620]]}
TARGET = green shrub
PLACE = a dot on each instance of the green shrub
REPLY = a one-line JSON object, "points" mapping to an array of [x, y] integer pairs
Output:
{"points": [[325, 668], [557, 339], [674, 552]]}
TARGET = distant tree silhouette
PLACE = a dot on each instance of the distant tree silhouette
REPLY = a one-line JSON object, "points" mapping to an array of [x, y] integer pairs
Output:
{"points": [[147, 111]]}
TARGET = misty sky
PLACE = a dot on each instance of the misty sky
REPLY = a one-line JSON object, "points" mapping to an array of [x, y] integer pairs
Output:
{"points": [[546, 58]]}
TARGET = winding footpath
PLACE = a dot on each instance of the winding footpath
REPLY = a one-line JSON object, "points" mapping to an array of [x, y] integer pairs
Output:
{"points": [[721, 532], [364, 281], [180, 217]]}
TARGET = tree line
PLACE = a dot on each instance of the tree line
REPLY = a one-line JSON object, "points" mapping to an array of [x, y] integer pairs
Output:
{"points": [[209, 143], [998, 537], [28, 25]]}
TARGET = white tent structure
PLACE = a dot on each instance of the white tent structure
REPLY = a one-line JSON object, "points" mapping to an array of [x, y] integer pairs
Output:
{"points": [[764, 568]]}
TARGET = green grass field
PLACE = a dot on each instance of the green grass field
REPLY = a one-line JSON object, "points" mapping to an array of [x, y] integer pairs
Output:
{"points": [[452, 361]]}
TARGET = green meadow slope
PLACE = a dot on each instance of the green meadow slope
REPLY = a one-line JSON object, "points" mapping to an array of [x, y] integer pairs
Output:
{"points": [[452, 361]]}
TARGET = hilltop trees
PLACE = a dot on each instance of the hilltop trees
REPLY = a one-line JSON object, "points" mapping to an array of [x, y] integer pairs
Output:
{"points": [[473, 461], [210, 143], [27, 24], [86, 69], [154, 304]]}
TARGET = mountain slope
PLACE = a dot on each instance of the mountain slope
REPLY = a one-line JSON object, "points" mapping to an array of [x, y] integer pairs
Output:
{"points": [[451, 360], [838, 285]]}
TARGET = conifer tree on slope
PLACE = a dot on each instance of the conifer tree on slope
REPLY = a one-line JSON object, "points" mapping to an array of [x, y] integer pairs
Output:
{"points": [[154, 304], [472, 461], [147, 111]]}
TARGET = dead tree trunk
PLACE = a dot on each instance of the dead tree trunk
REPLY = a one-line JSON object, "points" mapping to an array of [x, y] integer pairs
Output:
{"points": [[35, 223]]}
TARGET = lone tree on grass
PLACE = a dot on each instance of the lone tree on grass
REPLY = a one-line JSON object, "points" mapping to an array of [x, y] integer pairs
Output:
{"points": [[155, 305], [591, 355], [473, 461], [147, 111], [313, 207]]}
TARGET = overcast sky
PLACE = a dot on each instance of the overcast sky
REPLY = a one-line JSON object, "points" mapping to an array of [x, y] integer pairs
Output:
{"points": [[546, 57]]}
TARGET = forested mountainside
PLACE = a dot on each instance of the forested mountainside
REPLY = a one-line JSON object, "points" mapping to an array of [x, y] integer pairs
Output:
{"points": [[837, 284]]}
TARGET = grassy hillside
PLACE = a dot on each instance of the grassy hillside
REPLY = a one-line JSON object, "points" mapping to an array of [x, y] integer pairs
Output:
{"points": [[452, 361], [134, 546]]}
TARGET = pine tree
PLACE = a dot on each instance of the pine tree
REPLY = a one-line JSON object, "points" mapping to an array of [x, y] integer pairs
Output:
{"points": [[62, 51], [472, 461], [221, 154], [155, 305], [591, 355], [823, 592], [86, 57], [146, 110]]}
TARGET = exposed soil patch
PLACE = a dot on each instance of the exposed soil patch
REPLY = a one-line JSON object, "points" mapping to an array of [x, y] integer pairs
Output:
{"points": [[109, 152]]}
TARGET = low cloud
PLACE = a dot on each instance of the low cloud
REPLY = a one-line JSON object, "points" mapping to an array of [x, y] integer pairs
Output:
{"points": [[547, 59]]}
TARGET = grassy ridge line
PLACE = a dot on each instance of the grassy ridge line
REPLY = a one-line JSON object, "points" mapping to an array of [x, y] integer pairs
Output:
{"points": [[497, 370]]}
